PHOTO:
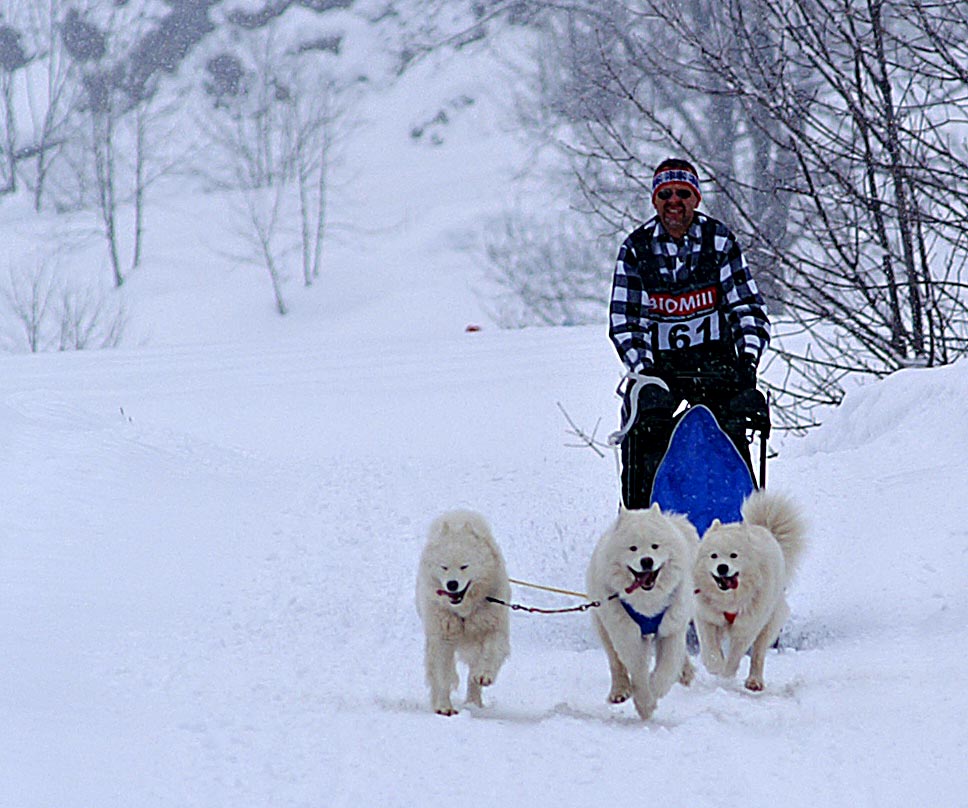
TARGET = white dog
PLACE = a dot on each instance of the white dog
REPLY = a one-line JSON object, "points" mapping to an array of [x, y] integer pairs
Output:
{"points": [[741, 575], [460, 568], [641, 572]]}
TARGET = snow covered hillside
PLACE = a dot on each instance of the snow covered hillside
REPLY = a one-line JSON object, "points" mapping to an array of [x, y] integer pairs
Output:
{"points": [[208, 566], [210, 538]]}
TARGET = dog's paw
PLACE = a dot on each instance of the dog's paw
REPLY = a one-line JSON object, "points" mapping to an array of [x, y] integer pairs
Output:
{"points": [[688, 673], [484, 679], [754, 683], [645, 707], [443, 706], [619, 694]]}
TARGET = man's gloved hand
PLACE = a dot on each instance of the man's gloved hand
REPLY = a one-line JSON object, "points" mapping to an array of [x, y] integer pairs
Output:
{"points": [[750, 406], [746, 373]]}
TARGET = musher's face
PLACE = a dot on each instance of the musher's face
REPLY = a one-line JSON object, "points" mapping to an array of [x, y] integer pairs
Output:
{"points": [[677, 210]]}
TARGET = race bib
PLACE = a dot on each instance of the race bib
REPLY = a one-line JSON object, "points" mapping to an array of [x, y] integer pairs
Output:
{"points": [[684, 320]]}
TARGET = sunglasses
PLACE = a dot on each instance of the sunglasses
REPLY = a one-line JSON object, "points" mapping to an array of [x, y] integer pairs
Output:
{"points": [[682, 193]]}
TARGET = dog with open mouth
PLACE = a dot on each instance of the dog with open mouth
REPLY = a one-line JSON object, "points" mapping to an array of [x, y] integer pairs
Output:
{"points": [[460, 568], [641, 574], [741, 575]]}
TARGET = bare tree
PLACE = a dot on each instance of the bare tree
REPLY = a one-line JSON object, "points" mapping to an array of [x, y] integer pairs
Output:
{"points": [[833, 133], [104, 112], [618, 90], [118, 56], [39, 90], [52, 108], [262, 233], [251, 134], [13, 58], [51, 312], [280, 117], [149, 129], [28, 295], [317, 119], [548, 270], [88, 318], [249, 163], [876, 271]]}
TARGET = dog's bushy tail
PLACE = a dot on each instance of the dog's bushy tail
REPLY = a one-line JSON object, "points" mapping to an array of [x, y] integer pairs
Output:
{"points": [[779, 515]]}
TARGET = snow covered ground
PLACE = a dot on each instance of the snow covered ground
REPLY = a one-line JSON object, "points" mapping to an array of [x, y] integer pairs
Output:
{"points": [[210, 537]]}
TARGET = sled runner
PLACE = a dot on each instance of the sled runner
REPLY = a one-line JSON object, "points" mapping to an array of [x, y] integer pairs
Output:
{"points": [[701, 474]]}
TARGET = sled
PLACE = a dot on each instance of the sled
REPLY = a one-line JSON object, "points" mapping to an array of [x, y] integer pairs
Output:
{"points": [[702, 475]]}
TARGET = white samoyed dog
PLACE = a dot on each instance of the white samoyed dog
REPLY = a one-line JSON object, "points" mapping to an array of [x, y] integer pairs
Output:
{"points": [[460, 568], [641, 573], [741, 574]]}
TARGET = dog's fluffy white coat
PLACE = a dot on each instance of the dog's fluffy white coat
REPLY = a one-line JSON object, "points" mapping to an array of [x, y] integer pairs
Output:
{"points": [[741, 574], [460, 567], [645, 559]]}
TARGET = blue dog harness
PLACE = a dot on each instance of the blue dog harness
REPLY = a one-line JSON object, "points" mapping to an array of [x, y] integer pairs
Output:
{"points": [[649, 624]]}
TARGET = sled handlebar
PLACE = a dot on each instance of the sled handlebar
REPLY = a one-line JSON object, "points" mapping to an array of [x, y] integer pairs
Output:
{"points": [[751, 423], [748, 422]]}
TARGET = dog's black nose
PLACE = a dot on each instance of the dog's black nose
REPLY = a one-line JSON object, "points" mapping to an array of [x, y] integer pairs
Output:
{"points": [[723, 570], [646, 563], [452, 586]]}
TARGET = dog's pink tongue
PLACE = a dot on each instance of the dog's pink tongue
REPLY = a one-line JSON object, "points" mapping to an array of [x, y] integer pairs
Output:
{"points": [[733, 582]]}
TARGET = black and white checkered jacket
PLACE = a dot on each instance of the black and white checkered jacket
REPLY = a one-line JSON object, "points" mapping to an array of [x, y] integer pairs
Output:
{"points": [[672, 301]]}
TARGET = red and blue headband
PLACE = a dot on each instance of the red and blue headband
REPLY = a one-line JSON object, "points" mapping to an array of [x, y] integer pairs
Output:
{"points": [[670, 175]]}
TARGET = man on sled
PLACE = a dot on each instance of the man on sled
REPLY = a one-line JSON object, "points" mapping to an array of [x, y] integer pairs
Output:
{"points": [[688, 323]]}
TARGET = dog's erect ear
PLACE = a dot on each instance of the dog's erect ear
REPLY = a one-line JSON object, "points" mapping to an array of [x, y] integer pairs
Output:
{"points": [[715, 523], [688, 530], [655, 507]]}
